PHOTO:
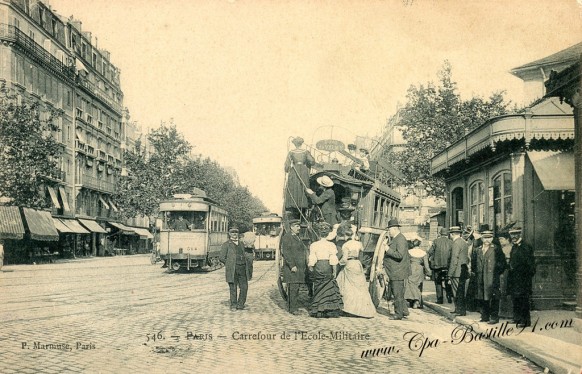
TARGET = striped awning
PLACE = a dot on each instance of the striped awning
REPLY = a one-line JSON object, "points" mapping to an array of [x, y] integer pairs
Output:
{"points": [[143, 233], [75, 226], [61, 227], [92, 226], [41, 225], [11, 226], [54, 197], [122, 227]]}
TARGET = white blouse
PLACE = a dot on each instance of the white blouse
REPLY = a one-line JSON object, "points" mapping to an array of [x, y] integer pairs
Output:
{"points": [[322, 250]]}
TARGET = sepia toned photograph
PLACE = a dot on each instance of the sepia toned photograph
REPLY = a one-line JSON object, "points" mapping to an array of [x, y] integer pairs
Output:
{"points": [[249, 186]]}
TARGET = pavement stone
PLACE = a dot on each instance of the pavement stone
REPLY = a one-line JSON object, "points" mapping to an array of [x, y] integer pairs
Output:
{"points": [[137, 317], [556, 348]]}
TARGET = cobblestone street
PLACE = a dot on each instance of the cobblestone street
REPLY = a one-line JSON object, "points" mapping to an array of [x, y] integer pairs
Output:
{"points": [[122, 314]]}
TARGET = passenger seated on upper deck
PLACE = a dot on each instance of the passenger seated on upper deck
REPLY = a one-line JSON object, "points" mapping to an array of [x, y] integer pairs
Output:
{"points": [[181, 224], [364, 159]]}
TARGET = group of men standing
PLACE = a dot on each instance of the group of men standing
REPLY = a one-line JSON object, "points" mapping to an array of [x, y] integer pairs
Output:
{"points": [[487, 265]]}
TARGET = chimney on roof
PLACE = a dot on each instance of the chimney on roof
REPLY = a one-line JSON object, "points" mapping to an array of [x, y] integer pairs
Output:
{"points": [[75, 23]]}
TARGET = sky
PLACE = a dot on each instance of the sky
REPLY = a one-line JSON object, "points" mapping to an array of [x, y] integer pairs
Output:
{"points": [[241, 78]]}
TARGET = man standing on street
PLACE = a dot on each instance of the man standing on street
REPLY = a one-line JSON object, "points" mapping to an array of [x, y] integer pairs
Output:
{"points": [[490, 265], [237, 271], [397, 265], [459, 269], [439, 257], [522, 268], [295, 257]]}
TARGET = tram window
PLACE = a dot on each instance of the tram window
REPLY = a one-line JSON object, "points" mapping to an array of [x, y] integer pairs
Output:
{"points": [[183, 220]]}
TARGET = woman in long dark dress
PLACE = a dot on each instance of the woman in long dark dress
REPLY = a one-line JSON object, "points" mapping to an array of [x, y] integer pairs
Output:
{"points": [[297, 165], [327, 300]]}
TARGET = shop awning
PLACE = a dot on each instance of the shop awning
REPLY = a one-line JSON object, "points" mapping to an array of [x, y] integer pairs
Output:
{"points": [[41, 225], [92, 226], [61, 227], [75, 226], [11, 226], [64, 199], [105, 205], [122, 227], [143, 233], [555, 169], [54, 197]]}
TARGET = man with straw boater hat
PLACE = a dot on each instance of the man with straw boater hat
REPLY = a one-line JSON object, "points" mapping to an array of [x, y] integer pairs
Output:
{"points": [[397, 265], [458, 269], [326, 200]]}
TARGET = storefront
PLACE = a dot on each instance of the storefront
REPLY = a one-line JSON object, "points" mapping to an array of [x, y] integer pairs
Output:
{"points": [[98, 234], [518, 170]]}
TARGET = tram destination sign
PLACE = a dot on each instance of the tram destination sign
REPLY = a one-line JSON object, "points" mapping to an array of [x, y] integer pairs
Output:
{"points": [[330, 145]]}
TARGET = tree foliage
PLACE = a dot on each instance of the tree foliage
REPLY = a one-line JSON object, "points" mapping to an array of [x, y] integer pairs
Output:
{"points": [[433, 118], [169, 169], [29, 150]]}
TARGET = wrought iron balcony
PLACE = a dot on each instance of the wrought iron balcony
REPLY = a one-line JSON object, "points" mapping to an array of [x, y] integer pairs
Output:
{"points": [[98, 184], [12, 34]]}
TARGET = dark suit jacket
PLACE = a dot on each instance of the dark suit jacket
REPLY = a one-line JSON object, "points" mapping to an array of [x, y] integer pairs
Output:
{"points": [[490, 266], [228, 258], [397, 259], [459, 256], [439, 253], [294, 254], [327, 204], [522, 268]]}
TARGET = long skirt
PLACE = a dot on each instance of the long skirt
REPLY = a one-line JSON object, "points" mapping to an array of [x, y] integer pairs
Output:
{"points": [[295, 196], [327, 300], [412, 284], [354, 290]]}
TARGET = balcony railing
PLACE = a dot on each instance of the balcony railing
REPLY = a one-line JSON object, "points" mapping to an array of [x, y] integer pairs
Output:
{"points": [[80, 146], [9, 33], [97, 184], [96, 91]]}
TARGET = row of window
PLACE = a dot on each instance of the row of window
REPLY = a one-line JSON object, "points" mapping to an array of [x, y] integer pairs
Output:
{"points": [[499, 203], [384, 209], [218, 221]]}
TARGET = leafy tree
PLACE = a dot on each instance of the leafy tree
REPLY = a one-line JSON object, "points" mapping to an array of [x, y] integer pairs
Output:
{"points": [[28, 150], [169, 169], [434, 117]]}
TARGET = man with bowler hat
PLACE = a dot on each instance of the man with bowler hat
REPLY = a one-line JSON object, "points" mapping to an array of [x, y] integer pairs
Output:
{"points": [[397, 266], [237, 269], [295, 256], [439, 257], [490, 265], [459, 269]]}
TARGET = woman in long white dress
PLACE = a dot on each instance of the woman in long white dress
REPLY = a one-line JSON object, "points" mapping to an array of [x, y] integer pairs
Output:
{"points": [[352, 282]]}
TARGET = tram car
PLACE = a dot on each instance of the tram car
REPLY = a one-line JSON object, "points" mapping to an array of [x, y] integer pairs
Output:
{"points": [[267, 229], [192, 228], [362, 200]]}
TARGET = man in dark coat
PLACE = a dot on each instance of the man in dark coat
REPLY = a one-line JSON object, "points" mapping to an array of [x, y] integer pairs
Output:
{"points": [[232, 254], [459, 269], [295, 257], [397, 266], [522, 268], [326, 200], [439, 257], [490, 266]]}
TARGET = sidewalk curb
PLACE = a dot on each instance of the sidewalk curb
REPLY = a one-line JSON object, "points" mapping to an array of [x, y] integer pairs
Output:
{"points": [[512, 344]]}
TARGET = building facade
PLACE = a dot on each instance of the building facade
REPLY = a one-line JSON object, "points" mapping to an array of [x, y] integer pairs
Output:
{"points": [[518, 170], [52, 60]]}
